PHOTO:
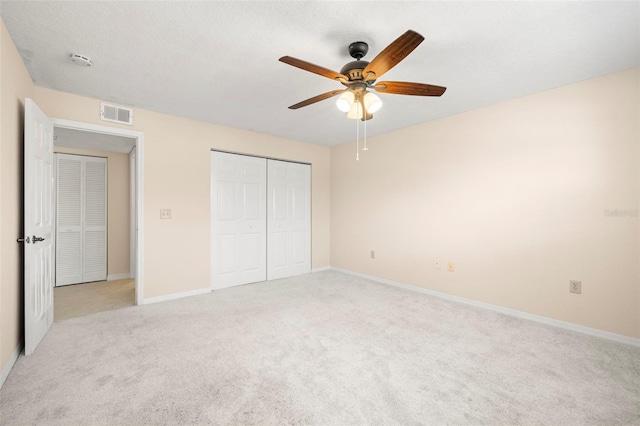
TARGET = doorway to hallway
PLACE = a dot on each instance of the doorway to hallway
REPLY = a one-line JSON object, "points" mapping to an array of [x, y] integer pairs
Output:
{"points": [[85, 299]]}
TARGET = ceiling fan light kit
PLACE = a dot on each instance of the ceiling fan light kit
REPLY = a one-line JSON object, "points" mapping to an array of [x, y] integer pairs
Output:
{"points": [[355, 105], [355, 112], [359, 77], [372, 102], [345, 101]]}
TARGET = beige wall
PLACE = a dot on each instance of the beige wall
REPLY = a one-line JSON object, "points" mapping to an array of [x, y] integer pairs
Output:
{"points": [[176, 176], [15, 85], [514, 194], [117, 207]]}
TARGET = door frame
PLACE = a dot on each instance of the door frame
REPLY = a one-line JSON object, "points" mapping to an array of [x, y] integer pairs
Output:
{"points": [[81, 158], [133, 221], [139, 181]]}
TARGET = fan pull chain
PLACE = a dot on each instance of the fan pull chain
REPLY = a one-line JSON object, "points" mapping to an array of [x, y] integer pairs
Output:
{"points": [[365, 133], [357, 140]]}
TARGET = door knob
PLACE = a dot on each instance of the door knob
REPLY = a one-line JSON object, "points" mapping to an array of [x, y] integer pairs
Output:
{"points": [[24, 240], [36, 239]]}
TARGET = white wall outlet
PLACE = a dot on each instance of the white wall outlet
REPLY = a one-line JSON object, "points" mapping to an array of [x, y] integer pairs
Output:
{"points": [[450, 266], [373, 254], [165, 213], [436, 263], [575, 286]]}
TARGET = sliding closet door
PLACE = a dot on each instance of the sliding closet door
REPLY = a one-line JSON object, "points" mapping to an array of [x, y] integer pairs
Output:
{"points": [[289, 219], [81, 219], [238, 219]]}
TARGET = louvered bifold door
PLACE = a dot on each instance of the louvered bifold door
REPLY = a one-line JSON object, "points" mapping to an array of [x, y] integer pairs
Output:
{"points": [[81, 219], [94, 253], [69, 220]]}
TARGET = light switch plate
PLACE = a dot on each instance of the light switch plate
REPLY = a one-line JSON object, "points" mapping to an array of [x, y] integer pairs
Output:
{"points": [[575, 286], [165, 213]]}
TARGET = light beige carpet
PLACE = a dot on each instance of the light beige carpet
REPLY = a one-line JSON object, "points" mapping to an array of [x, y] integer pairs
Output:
{"points": [[324, 349], [83, 299]]}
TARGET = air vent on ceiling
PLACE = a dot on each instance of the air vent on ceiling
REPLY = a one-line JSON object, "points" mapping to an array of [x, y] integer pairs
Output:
{"points": [[116, 114]]}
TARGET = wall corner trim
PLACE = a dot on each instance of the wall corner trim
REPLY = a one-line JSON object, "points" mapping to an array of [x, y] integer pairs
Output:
{"points": [[14, 357], [174, 296], [320, 269], [507, 311]]}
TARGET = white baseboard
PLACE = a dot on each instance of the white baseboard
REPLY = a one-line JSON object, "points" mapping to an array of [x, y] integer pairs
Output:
{"points": [[320, 269], [14, 357], [176, 296], [114, 277], [507, 311]]}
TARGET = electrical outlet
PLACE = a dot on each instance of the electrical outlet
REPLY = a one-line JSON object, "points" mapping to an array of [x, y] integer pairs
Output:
{"points": [[436, 263], [373, 254], [450, 267], [165, 213], [575, 286]]}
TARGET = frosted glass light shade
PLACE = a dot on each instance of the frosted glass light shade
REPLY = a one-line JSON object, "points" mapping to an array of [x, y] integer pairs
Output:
{"points": [[345, 101], [355, 112], [372, 102]]}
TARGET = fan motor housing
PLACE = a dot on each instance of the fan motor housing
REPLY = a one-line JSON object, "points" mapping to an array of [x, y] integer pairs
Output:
{"points": [[353, 69]]}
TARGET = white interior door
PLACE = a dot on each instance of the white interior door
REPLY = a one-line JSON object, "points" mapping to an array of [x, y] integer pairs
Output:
{"points": [[289, 219], [38, 225], [238, 219], [81, 219]]}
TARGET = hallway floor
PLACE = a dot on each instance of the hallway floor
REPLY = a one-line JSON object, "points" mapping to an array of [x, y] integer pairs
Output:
{"points": [[83, 299]]}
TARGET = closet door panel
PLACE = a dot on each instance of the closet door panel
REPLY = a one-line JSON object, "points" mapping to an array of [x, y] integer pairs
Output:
{"points": [[298, 246], [238, 222], [81, 219], [226, 254], [68, 258], [289, 219], [94, 256], [251, 249], [95, 220], [278, 250], [225, 248], [68, 220]]}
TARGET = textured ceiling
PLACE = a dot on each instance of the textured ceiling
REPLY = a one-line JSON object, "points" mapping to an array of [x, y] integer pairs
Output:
{"points": [[218, 61]]}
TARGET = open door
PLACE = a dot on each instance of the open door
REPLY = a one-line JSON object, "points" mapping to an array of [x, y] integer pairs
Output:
{"points": [[38, 226]]}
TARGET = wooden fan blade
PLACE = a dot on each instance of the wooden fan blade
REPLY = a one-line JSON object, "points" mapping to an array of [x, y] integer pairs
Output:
{"points": [[317, 99], [405, 88], [392, 54], [316, 69]]}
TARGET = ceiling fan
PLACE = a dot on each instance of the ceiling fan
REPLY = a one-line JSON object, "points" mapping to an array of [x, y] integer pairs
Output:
{"points": [[359, 76]]}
